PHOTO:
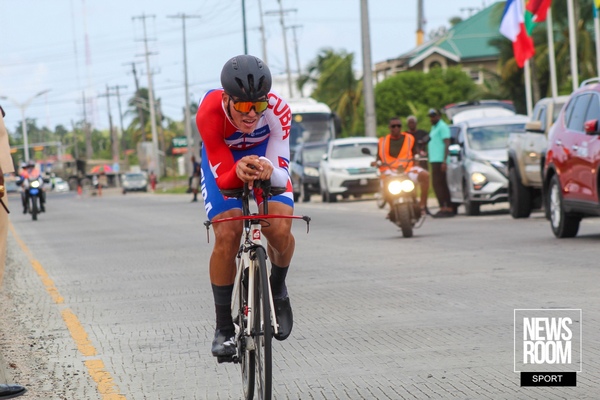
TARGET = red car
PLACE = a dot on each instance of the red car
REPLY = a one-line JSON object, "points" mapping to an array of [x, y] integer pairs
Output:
{"points": [[571, 184]]}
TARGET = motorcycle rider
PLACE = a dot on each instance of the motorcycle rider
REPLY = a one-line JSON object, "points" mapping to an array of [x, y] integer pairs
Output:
{"points": [[28, 174], [395, 150]]}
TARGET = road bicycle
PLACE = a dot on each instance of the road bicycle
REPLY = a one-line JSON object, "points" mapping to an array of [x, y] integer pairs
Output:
{"points": [[252, 304]]}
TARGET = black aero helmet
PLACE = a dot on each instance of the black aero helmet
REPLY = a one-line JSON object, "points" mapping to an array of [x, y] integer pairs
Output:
{"points": [[246, 78]]}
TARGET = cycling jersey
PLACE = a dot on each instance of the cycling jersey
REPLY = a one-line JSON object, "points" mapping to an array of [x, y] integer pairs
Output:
{"points": [[224, 145], [221, 139]]}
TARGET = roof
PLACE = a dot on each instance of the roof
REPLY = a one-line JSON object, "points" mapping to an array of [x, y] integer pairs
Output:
{"points": [[514, 119], [355, 139], [467, 40]]}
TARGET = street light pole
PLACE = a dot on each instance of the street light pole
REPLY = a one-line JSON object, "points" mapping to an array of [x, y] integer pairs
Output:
{"points": [[23, 107], [186, 110]]}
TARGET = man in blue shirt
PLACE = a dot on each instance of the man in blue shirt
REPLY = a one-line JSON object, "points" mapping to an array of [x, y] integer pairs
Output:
{"points": [[437, 148]]}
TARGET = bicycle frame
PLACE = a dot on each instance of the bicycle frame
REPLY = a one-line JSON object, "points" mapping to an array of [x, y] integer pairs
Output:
{"points": [[251, 239]]}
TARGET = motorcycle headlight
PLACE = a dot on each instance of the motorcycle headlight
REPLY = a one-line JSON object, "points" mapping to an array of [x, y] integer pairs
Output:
{"points": [[311, 171], [35, 184], [396, 187]]}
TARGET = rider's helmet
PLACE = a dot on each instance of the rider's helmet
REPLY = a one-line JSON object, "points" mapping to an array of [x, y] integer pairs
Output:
{"points": [[30, 164], [246, 78]]}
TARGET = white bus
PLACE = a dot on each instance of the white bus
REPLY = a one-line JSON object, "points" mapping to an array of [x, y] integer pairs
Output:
{"points": [[311, 121]]}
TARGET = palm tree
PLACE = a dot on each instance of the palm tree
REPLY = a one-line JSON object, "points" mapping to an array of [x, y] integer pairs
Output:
{"points": [[332, 74]]}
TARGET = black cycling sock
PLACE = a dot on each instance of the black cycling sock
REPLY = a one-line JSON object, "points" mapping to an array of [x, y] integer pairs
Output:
{"points": [[222, 296], [278, 288]]}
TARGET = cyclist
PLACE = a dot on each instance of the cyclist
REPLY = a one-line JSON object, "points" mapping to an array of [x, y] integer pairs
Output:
{"points": [[398, 146], [245, 130]]}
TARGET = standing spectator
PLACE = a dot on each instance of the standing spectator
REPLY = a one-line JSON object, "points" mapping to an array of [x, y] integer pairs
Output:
{"points": [[422, 137], [153, 181], [6, 166], [196, 172], [439, 140]]}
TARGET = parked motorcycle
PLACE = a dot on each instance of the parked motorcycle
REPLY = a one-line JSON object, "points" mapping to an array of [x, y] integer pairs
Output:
{"points": [[400, 193]]}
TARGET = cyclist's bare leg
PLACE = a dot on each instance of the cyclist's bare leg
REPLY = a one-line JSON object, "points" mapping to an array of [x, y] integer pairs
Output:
{"points": [[281, 242], [280, 248], [227, 242], [222, 276]]}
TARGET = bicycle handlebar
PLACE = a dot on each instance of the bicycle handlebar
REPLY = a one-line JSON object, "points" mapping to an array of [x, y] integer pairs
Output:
{"points": [[244, 193]]}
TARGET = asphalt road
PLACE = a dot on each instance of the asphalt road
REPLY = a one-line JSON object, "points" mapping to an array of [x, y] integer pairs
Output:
{"points": [[109, 298]]}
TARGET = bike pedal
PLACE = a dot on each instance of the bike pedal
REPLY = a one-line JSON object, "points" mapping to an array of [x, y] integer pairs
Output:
{"points": [[226, 359]]}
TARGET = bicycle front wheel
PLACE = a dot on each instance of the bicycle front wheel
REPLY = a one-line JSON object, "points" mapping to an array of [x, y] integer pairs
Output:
{"points": [[263, 329], [246, 355]]}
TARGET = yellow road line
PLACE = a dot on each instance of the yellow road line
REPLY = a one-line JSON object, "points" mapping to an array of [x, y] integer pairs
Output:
{"points": [[105, 383], [78, 333]]}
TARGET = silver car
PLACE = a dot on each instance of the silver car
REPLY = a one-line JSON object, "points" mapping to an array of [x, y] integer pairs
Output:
{"points": [[135, 182], [477, 171]]}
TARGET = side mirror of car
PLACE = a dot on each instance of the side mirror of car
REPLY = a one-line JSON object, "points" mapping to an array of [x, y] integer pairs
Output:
{"points": [[454, 149], [591, 127], [366, 151], [324, 157], [534, 126]]}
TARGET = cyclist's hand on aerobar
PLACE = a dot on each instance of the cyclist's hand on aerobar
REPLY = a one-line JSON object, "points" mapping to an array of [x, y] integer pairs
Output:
{"points": [[250, 168]]}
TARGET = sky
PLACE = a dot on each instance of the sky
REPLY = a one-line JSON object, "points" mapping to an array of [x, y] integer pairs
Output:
{"points": [[74, 47]]}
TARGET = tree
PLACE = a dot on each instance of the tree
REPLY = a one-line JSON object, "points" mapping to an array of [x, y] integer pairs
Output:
{"points": [[414, 92], [510, 82], [336, 86]]}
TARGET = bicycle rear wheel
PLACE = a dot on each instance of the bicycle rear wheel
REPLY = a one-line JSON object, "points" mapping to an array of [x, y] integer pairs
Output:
{"points": [[247, 356], [263, 328]]}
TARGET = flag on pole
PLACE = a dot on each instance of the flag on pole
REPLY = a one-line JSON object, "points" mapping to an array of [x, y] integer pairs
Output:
{"points": [[539, 9], [536, 11], [513, 27]]}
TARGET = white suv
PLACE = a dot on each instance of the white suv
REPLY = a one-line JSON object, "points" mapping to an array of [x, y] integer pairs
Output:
{"points": [[345, 170]]}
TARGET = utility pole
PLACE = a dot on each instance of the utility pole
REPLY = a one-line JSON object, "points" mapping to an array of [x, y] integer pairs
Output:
{"points": [[89, 151], [155, 159], [137, 90], [281, 13], [420, 23], [114, 137], [75, 146], [116, 88], [187, 117], [114, 143], [262, 33], [244, 26], [293, 28], [369, 97]]}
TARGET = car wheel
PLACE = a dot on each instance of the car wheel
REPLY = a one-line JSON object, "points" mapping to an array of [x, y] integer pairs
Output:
{"points": [[563, 225], [304, 193], [331, 198], [471, 207], [519, 196], [296, 197]]}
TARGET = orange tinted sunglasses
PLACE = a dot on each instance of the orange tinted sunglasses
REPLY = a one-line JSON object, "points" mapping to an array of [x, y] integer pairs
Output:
{"points": [[246, 106]]}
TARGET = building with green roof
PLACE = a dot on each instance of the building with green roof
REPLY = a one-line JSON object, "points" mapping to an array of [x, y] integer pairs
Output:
{"points": [[466, 44]]}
